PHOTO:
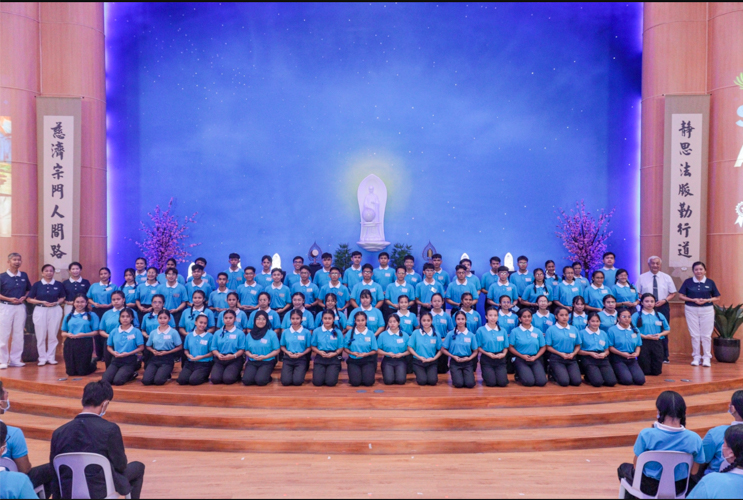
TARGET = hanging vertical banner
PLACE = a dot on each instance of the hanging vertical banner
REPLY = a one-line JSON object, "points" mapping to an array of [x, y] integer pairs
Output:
{"points": [[58, 136], [685, 182]]}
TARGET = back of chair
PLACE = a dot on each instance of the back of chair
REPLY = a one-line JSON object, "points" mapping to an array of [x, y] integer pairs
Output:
{"points": [[668, 460], [78, 462], [8, 464]]}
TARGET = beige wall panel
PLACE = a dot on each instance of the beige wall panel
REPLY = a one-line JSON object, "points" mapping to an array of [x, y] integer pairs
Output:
{"points": [[674, 59], [19, 49], [671, 12], [94, 133], [721, 8], [68, 63], [725, 265], [725, 50], [84, 14], [26, 9]]}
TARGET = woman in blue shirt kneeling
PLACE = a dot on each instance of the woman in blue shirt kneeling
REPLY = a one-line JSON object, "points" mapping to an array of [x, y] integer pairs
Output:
{"points": [[361, 347], [563, 343], [625, 344], [461, 347], [261, 348]]}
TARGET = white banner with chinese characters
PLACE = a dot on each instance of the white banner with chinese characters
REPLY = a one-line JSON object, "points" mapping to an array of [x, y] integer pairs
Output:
{"points": [[686, 184], [686, 149], [58, 123]]}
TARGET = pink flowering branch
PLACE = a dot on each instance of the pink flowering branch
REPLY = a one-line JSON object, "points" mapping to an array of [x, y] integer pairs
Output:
{"points": [[584, 236], [165, 238]]}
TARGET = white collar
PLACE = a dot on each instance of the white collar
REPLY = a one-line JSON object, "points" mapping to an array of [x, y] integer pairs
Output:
{"points": [[423, 332], [550, 276], [432, 282], [439, 271], [595, 287], [326, 330], [524, 273], [622, 286], [629, 329], [331, 285], [226, 290], [79, 280], [13, 275], [668, 428], [383, 268], [371, 282], [543, 315], [254, 284], [100, 283], [404, 315], [44, 282], [737, 471], [394, 334], [410, 273], [118, 310], [326, 272], [524, 329], [265, 274], [566, 327], [608, 268], [366, 330], [291, 329], [229, 269], [703, 280], [487, 327], [166, 331], [131, 327], [230, 331], [468, 312], [597, 332], [493, 273], [504, 314], [607, 314], [199, 334], [437, 314], [356, 268], [176, 284], [458, 282], [461, 333], [568, 284], [154, 284], [193, 282], [581, 315], [399, 285], [362, 308], [295, 273], [193, 309], [309, 282], [273, 285], [144, 273], [504, 284], [646, 313]]}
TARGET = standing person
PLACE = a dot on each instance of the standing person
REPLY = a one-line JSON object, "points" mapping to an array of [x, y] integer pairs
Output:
{"points": [[14, 288], [235, 275], [99, 294], [201, 261], [522, 278], [563, 342], [540, 287], [261, 348], [228, 348], [700, 293], [176, 296], [197, 282], [162, 278], [264, 304], [393, 345], [438, 273], [322, 277], [327, 344], [218, 298], [578, 274], [395, 290], [129, 288], [543, 318], [47, 295], [298, 304], [78, 329], [361, 348], [74, 286], [461, 347], [471, 278], [249, 291], [109, 324], [458, 287], [140, 273], [624, 291], [490, 276], [411, 276], [199, 359], [373, 317], [567, 290], [625, 344], [339, 317], [662, 287], [338, 289], [550, 276], [367, 283], [293, 276], [427, 288], [408, 320], [164, 342], [424, 345], [124, 343], [493, 347], [353, 275], [595, 292], [610, 272], [594, 354], [241, 319], [281, 300], [384, 275], [527, 345], [608, 314], [578, 317], [308, 289], [652, 326], [502, 287], [296, 344], [145, 292], [90, 433], [265, 279]]}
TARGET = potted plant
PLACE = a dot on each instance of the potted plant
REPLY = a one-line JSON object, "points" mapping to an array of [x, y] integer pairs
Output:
{"points": [[727, 322]]}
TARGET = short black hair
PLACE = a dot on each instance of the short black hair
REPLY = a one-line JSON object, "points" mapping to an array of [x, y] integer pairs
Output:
{"points": [[383, 254], [197, 267], [267, 257], [401, 267], [436, 256], [135, 260], [249, 268], [171, 270], [607, 254], [298, 258], [427, 265], [503, 268], [409, 257], [234, 256], [460, 266], [81, 266], [495, 259], [355, 253], [223, 274], [95, 393], [305, 268], [523, 257], [202, 259], [367, 266], [327, 255]]}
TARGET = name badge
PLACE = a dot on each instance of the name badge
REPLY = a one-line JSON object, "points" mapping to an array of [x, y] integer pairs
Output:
{"points": [[166, 337], [408, 322], [309, 289], [253, 292], [176, 295], [534, 335], [372, 320], [368, 339], [233, 337], [108, 288], [634, 335], [433, 289], [658, 323], [602, 343], [400, 341], [300, 337], [508, 288], [499, 339], [604, 292], [404, 290], [387, 275], [467, 340], [264, 341], [204, 342], [281, 295], [433, 341], [528, 280], [572, 335], [442, 321], [548, 322], [153, 291], [510, 321], [130, 337], [575, 289], [130, 291]]}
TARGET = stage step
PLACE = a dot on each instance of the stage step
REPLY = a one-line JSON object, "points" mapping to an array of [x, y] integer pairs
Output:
{"points": [[351, 419], [367, 441]]}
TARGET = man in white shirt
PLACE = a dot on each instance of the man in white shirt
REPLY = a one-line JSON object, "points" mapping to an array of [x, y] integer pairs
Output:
{"points": [[662, 287]]}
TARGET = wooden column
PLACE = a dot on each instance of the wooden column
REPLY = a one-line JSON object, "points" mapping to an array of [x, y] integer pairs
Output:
{"points": [[724, 237], [19, 86], [73, 64]]}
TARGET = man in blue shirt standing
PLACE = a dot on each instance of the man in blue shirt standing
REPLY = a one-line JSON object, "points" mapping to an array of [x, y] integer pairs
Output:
{"points": [[14, 288]]}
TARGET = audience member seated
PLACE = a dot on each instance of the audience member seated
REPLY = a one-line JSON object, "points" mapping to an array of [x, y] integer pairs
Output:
{"points": [[667, 434], [728, 483], [13, 484]]}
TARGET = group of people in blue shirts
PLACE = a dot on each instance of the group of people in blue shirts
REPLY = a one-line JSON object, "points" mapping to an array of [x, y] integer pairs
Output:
{"points": [[239, 325]]}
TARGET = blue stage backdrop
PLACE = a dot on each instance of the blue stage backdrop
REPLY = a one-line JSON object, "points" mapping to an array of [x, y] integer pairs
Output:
{"points": [[482, 120]]}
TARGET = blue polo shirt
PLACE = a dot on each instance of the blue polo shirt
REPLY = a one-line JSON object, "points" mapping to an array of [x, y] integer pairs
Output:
{"points": [[384, 276], [16, 444], [652, 324], [218, 299], [249, 293], [130, 293], [498, 290], [150, 323], [164, 341], [425, 345], [413, 279], [594, 342], [86, 322], [460, 344], [145, 292], [140, 278], [562, 339], [532, 293], [100, 294], [162, 279], [425, 291], [408, 323], [74, 288], [578, 321], [377, 292], [663, 438], [269, 343], [110, 320], [566, 292], [241, 320], [392, 342], [14, 286], [327, 340], [125, 341], [274, 321], [352, 277], [189, 316], [455, 290], [507, 322], [341, 293], [718, 485], [264, 280], [395, 291], [488, 279], [310, 291], [206, 277], [694, 289], [339, 322], [610, 275], [475, 281], [228, 341], [624, 340], [595, 296], [474, 320], [522, 281], [322, 278], [235, 278], [374, 318], [280, 297], [15, 485], [543, 322], [607, 321], [442, 277], [493, 341], [296, 341], [624, 293], [442, 323], [552, 282], [360, 342], [204, 286], [174, 296], [712, 444], [527, 342], [47, 292], [583, 282], [291, 278], [198, 345], [308, 321]]}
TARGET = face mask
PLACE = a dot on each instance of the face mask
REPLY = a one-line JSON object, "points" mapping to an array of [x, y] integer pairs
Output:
{"points": [[103, 412], [5, 405]]}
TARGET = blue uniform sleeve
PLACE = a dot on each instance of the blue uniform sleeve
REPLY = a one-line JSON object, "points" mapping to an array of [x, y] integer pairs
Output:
{"points": [[446, 344], [110, 340], [16, 442], [640, 445], [242, 341], [700, 490], [684, 290], [714, 292], [94, 322], [213, 344], [149, 341], [709, 446], [90, 292], [374, 345], [475, 344], [282, 343], [699, 455], [138, 337]]}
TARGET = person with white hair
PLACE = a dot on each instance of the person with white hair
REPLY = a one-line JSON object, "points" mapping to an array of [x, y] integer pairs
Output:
{"points": [[662, 287]]}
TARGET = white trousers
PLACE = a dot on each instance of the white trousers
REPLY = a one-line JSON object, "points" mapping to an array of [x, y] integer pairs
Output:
{"points": [[701, 322], [12, 322], [47, 321], [67, 310]]}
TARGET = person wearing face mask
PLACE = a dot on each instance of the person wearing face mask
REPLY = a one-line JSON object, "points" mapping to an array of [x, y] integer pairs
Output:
{"points": [[715, 437], [728, 483], [667, 434], [13, 484], [90, 433]]}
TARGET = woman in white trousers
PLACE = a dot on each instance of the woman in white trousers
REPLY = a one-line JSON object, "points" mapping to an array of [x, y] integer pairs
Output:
{"points": [[700, 293], [47, 295]]}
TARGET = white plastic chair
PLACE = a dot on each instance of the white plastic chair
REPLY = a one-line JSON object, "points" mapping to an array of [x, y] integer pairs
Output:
{"points": [[10, 466], [667, 487], [78, 462]]}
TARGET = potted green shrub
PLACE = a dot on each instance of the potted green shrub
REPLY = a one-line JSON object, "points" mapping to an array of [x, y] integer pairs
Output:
{"points": [[727, 322]]}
